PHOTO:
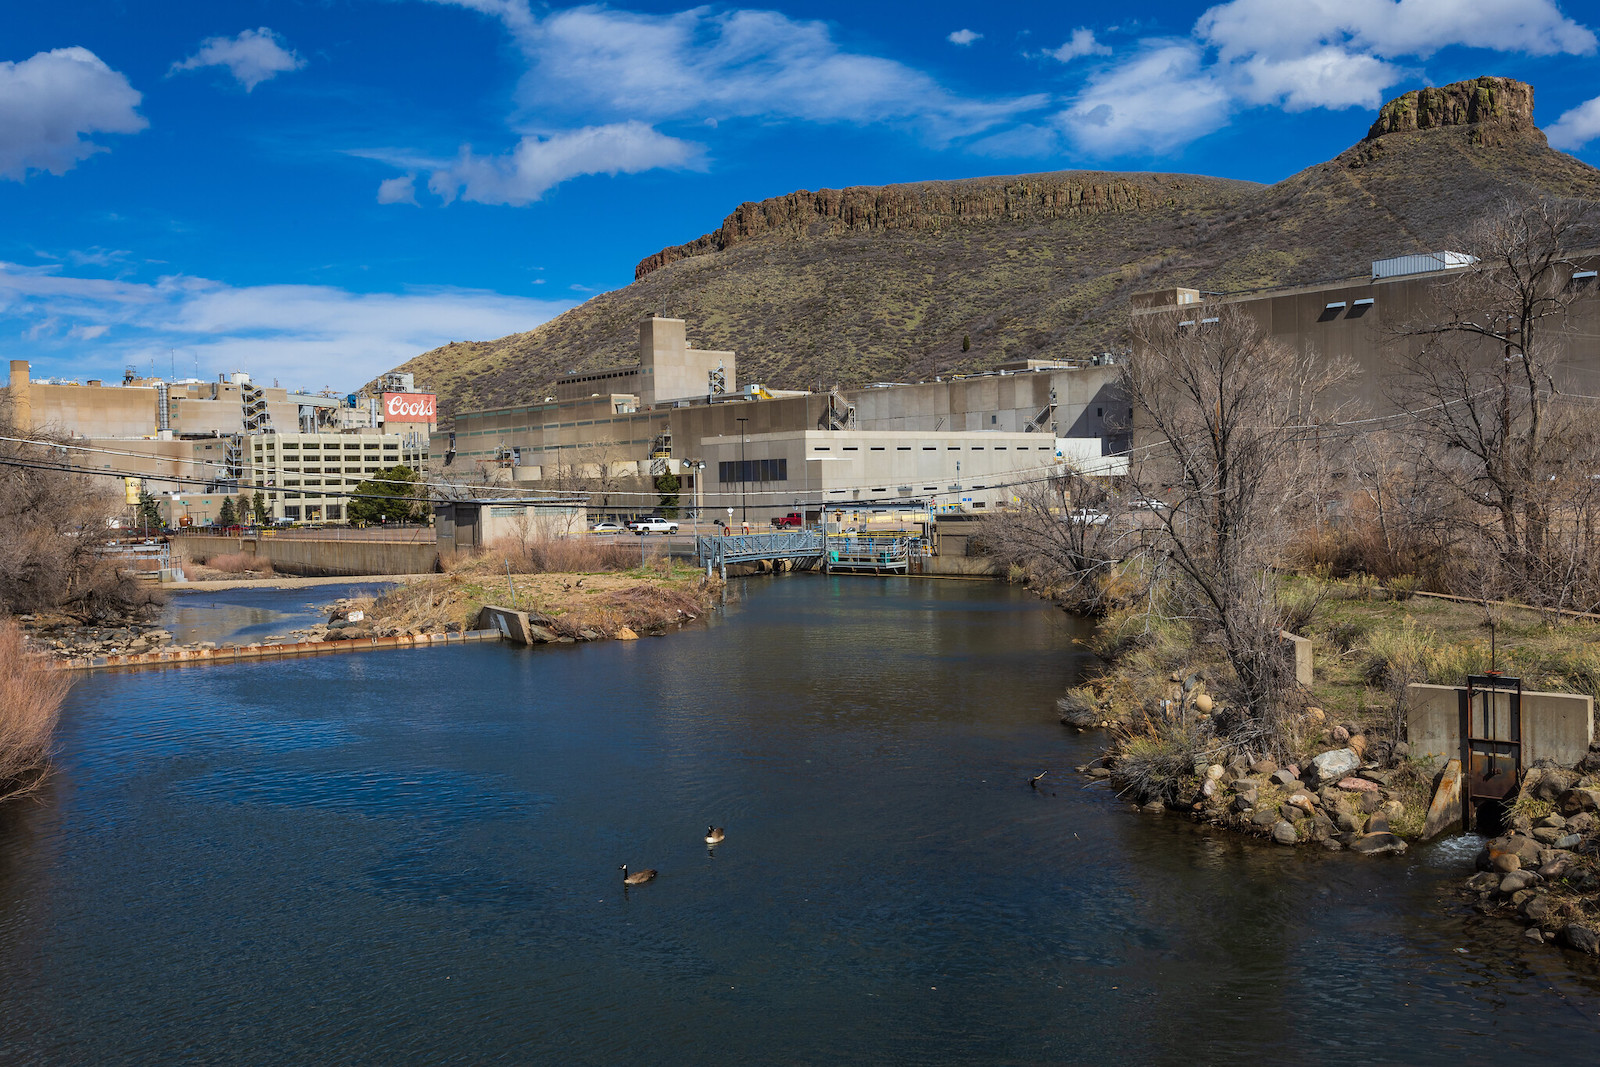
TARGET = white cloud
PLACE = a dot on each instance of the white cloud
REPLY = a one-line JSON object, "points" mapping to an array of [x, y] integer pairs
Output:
{"points": [[1286, 29], [538, 164], [50, 102], [1329, 77], [964, 37], [705, 63], [1577, 127], [1081, 43], [252, 57], [401, 190], [1294, 55], [302, 334], [1161, 98]]}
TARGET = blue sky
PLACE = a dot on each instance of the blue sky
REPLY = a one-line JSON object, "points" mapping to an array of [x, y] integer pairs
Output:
{"points": [[317, 190]]}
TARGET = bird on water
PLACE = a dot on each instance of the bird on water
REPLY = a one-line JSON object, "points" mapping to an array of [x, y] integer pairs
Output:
{"points": [[714, 835], [1034, 781], [638, 877]]}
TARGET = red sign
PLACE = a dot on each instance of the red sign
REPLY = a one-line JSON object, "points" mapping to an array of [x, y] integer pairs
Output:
{"points": [[410, 407]]}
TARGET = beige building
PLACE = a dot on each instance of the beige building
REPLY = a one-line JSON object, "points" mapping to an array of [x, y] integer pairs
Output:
{"points": [[189, 440], [308, 477], [764, 474], [1356, 318], [595, 433]]}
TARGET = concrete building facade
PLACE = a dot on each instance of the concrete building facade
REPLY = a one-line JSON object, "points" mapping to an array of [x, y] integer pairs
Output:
{"points": [[592, 430]]}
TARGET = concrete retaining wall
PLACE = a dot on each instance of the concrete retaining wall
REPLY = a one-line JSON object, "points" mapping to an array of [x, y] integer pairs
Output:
{"points": [[318, 558], [1555, 726], [961, 566]]}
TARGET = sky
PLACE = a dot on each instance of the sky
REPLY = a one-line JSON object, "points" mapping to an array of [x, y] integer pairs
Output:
{"points": [[314, 191]]}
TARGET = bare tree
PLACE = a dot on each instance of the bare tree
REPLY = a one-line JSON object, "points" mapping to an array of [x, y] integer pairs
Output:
{"points": [[54, 528], [1480, 371], [1224, 419], [1062, 536]]}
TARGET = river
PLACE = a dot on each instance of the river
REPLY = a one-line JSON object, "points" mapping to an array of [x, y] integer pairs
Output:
{"points": [[412, 857]]}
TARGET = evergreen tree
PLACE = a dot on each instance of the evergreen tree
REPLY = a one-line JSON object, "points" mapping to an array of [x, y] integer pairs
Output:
{"points": [[258, 504], [668, 485], [228, 516], [149, 512], [390, 497]]}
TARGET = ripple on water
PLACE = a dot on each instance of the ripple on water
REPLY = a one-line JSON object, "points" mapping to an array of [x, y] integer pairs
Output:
{"points": [[368, 793]]}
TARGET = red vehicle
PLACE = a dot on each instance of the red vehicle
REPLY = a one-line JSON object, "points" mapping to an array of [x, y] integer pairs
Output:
{"points": [[794, 518]]}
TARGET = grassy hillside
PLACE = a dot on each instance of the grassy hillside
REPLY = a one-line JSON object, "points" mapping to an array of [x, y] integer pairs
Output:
{"points": [[871, 284]]}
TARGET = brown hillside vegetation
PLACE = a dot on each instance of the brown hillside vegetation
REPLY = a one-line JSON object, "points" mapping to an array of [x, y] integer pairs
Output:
{"points": [[870, 284]]}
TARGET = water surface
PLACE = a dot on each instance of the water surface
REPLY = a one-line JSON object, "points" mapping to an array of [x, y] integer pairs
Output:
{"points": [[411, 857]]}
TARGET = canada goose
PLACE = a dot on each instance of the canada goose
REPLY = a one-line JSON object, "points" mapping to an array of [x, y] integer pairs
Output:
{"points": [[638, 878], [1034, 781], [580, 583], [714, 835]]}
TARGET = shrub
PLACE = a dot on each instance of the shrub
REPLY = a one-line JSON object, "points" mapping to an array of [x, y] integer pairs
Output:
{"points": [[567, 555], [1346, 634], [30, 704], [1159, 760], [1403, 586]]}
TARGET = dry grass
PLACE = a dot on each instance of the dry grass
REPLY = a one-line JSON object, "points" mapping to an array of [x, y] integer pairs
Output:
{"points": [[644, 600], [565, 555], [30, 704]]}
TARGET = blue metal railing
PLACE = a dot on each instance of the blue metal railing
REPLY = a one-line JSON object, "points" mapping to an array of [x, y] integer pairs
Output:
{"points": [[718, 552]]}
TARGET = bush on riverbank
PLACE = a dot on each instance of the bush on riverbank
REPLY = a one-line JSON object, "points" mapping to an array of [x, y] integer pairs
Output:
{"points": [[30, 704], [567, 555]]}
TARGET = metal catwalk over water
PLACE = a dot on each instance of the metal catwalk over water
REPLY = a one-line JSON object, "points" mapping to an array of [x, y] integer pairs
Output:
{"points": [[802, 546]]}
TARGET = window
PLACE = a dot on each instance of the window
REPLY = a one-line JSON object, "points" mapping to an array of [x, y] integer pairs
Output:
{"points": [[753, 470], [993, 419], [335, 512], [292, 512], [877, 448], [902, 448]]}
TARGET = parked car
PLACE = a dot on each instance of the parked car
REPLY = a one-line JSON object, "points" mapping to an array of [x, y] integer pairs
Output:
{"points": [[1088, 517], [794, 518], [607, 527], [1151, 504], [653, 524]]}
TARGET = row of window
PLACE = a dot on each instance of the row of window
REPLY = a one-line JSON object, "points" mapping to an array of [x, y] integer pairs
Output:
{"points": [[314, 512], [753, 470], [932, 448]]}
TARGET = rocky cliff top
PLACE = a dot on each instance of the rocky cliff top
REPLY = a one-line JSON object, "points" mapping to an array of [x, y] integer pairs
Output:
{"points": [[1480, 100], [937, 205]]}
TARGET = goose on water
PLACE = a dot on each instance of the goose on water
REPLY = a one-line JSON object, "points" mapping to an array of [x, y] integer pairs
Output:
{"points": [[714, 835], [638, 877]]}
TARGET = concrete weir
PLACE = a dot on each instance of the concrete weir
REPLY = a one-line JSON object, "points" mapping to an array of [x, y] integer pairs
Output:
{"points": [[192, 657]]}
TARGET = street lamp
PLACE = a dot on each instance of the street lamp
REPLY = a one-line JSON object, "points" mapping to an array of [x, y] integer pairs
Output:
{"points": [[744, 471]]}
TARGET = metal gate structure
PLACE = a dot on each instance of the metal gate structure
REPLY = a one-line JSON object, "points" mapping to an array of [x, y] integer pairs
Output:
{"points": [[1491, 741]]}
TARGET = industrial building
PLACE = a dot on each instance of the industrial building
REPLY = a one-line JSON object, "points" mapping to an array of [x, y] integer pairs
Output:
{"points": [[963, 443], [1358, 318], [192, 443]]}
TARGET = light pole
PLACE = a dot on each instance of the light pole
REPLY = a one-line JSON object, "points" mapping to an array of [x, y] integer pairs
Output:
{"points": [[744, 511]]}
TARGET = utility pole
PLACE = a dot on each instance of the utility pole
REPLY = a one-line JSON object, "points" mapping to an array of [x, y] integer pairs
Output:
{"points": [[744, 471]]}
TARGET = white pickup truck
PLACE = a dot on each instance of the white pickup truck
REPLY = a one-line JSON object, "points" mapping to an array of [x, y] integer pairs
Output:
{"points": [[653, 524]]}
